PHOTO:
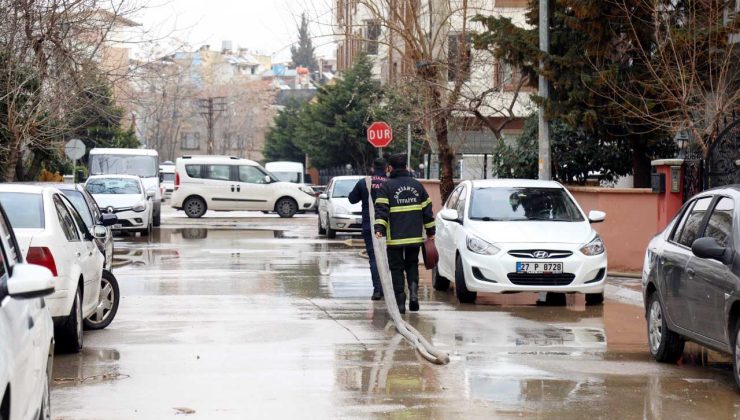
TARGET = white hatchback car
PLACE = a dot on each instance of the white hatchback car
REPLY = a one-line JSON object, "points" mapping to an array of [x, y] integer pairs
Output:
{"points": [[126, 197], [224, 183], [504, 236], [336, 213], [26, 333], [51, 233]]}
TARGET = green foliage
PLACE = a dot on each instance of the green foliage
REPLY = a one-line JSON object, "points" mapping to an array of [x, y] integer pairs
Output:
{"points": [[280, 140], [303, 54], [98, 122], [332, 129], [583, 50]]}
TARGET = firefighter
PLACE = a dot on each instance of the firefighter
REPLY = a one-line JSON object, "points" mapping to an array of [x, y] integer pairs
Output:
{"points": [[360, 193], [403, 210]]}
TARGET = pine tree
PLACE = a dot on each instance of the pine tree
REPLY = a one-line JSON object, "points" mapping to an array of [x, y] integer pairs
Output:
{"points": [[280, 142], [303, 54]]}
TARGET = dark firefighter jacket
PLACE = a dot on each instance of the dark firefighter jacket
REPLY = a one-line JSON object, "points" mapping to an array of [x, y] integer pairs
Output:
{"points": [[403, 210], [359, 193]]}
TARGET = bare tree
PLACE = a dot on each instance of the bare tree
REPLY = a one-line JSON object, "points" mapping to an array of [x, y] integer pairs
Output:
{"points": [[50, 54], [688, 53]]}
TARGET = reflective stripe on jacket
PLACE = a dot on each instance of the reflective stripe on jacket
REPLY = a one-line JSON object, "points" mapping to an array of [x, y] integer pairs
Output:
{"points": [[403, 210]]}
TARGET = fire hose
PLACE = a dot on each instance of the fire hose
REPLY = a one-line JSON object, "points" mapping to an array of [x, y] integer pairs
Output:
{"points": [[424, 347]]}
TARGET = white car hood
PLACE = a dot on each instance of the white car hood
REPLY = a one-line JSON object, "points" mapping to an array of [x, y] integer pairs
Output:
{"points": [[117, 200], [532, 232], [344, 202]]}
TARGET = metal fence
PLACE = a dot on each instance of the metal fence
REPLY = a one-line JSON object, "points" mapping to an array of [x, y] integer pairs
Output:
{"points": [[325, 175]]}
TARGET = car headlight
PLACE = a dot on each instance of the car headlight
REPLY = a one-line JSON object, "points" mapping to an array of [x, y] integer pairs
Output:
{"points": [[340, 210], [479, 246], [140, 206], [595, 247], [306, 189]]}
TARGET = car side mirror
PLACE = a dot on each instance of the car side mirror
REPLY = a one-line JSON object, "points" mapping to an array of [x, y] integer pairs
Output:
{"points": [[30, 281], [99, 232], [150, 194], [268, 179], [595, 216], [451, 215], [323, 196], [709, 248], [108, 219]]}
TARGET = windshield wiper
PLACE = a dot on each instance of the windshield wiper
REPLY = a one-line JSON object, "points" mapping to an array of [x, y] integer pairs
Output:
{"points": [[486, 219]]}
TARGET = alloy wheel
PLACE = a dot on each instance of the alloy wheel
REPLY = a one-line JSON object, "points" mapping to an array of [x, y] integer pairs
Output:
{"points": [[105, 304], [655, 330], [737, 354]]}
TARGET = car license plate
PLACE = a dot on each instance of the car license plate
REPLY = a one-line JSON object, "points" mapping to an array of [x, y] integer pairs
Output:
{"points": [[539, 268], [117, 226]]}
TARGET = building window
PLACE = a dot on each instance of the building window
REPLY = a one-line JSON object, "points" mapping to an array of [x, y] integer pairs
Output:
{"points": [[190, 141], [459, 56], [372, 34]]}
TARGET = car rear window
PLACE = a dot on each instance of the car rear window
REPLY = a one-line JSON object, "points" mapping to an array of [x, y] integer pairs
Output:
{"points": [[24, 210]]}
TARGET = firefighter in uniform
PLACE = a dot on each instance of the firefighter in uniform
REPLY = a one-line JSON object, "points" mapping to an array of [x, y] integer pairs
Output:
{"points": [[360, 193], [403, 210]]}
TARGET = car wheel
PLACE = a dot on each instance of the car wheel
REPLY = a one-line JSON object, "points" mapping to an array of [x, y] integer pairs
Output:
{"points": [[322, 231], [70, 332], [194, 207], [330, 233], [736, 355], [594, 298], [461, 289], [665, 345], [157, 220], [45, 410], [286, 207], [107, 305], [440, 283]]}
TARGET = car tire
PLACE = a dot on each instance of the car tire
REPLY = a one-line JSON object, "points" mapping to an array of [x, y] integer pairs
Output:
{"points": [[461, 289], [107, 306], [70, 332], [45, 410], [194, 207], [736, 354], [438, 282], [286, 207], [330, 233], [665, 346], [322, 231], [157, 220], [593, 299]]}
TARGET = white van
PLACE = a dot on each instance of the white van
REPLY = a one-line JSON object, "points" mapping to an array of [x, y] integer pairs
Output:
{"points": [[227, 183], [143, 163], [287, 171]]}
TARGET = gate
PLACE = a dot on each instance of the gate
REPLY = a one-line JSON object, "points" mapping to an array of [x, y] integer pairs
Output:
{"points": [[724, 157]]}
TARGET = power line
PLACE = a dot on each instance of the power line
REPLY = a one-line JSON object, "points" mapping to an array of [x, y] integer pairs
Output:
{"points": [[211, 109]]}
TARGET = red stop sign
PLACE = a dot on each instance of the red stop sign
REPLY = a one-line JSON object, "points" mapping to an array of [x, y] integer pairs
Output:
{"points": [[379, 134]]}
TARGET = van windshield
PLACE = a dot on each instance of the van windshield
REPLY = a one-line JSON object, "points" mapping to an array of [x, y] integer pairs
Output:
{"points": [[143, 166], [294, 177]]}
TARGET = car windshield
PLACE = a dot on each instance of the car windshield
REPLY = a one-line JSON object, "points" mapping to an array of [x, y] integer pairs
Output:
{"points": [[113, 186], [78, 200], [343, 187], [168, 177], [523, 204], [143, 166], [294, 177], [25, 210]]}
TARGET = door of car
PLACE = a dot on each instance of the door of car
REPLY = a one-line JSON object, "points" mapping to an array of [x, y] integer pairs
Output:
{"points": [[324, 205], [18, 328], [217, 187], [709, 281], [674, 260], [252, 189], [445, 237]]}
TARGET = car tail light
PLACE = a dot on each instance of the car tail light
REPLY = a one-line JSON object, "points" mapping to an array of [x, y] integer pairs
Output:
{"points": [[42, 256], [177, 180]]}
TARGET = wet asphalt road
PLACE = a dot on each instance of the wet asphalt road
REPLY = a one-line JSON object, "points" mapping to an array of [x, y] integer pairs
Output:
{"points": [[239, 318]]}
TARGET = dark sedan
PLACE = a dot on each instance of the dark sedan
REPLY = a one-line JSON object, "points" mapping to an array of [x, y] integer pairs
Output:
{"points": [[691, 278]]}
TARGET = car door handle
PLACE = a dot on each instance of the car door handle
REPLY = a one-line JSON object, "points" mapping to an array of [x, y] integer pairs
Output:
{"points": [[79, 254], [691, 272], [30, 323], [232, 188], [238, 188]]}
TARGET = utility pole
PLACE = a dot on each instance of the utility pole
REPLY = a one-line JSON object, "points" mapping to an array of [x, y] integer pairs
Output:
{"points": [[544, 163], [210, 109]]}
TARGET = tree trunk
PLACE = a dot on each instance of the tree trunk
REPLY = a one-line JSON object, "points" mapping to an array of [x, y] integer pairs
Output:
{"points": [[640, 162], [446, 156], [10, 164]]}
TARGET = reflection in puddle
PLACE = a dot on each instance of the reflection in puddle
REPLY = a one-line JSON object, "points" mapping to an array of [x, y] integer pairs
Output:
{"points": [[90, 365]]}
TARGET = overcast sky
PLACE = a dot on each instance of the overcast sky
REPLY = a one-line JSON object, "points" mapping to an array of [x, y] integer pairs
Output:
{"points": [[263, 25]]}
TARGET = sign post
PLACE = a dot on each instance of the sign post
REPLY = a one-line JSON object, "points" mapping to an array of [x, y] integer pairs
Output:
{"points": [[74, 149], [379, 134]]}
